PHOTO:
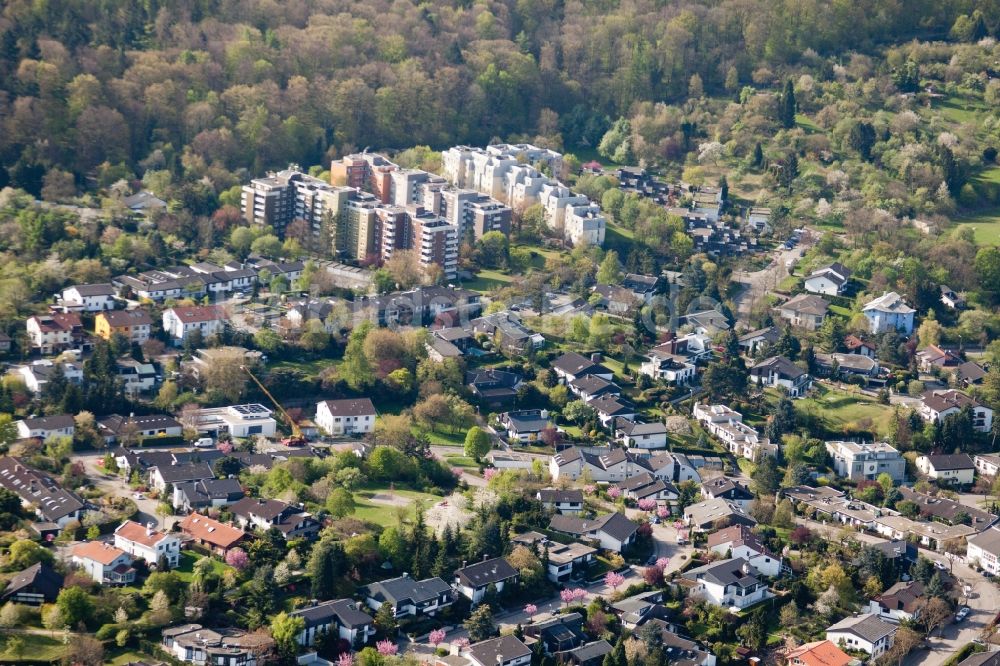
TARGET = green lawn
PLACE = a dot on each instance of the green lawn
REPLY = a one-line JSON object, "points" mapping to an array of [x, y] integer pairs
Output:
{"points": [[487, 280], [843, 412], [309, 368], [36, 648], [806, 123], [128, 657], [445, 438], [385, 514], [986, 225], [185, 569], [788, 283], [840, 310], [462, 461], [960, 109]]}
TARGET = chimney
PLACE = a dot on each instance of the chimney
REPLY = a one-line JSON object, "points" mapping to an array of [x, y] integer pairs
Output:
{"points": [[595, 357], [405, 575], [149, 529]]}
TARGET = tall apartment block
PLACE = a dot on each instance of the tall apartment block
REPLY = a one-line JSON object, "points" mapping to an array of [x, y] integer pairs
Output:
{"points": [[435, 240], [280, 198]]}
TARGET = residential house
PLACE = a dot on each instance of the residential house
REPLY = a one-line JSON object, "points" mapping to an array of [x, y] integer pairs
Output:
{"points": [[729, 489], [104, 563], [857, 460], [779, 372], [566, 560], [265, 514], [716, 513], [54, 333], [195, 644], [617, 300], [889, 311], [668, 362], [902, 601], [493, 388], [136, 376], [759, 219], [958, 469], [727, 426], [804, 311], [162, 476], [731, 583], [830, 280], [135, 428], [180, 322], [643, 287], [525, 425], [561, 501], [507, 329], [407, 596], [571, 366], [856, 345], [609, 408], [589, 387], [605, 465], [37, 374], [213, 536], [983, 551], [818, 653], [40, 492], [339, 616], [640, 609], [707, 322], [504, 651], [38, 584], [933, 535], [933, 356], [843, 365], [87, 297], [613, 531], [205, 358], [740, 541], [353, 416], [634, 434], [145, 543], [646, 486], [439, 350], [755, 341], [987, 464], [206, 494], [970, 373], [935, 406], [981, 659], [46, 427], [239, 421], [134, 325], [948, 510], [865, 633], [474, 580], [952, 298]]}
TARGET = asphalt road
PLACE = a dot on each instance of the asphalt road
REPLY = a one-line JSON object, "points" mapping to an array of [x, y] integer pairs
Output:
{"points": [[758, 283]]}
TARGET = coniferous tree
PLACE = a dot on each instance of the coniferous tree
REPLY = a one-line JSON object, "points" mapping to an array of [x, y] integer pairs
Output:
{"points": [[788, 106]]}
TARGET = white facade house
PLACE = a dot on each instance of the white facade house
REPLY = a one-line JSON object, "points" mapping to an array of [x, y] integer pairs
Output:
{"points": [[612, 531], [340, 616], [354, 416], [731, 583], [984, 550], [46, 427], [987, 464], [36, 374], [830, 280], [634, 434], [237, 420], [779, 372], [857, 461], [958, 469], [867, 633], [180, 322], [104, 563], [408, 596], [739, 541], [145, 543], [889, 311], [88, 297], [474, 580], [728, 427], [51, 334], [935, 406], [606, 465]]}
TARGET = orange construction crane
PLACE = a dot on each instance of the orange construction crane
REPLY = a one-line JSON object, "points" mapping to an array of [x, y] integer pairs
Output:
{"points": [[297, 438]]}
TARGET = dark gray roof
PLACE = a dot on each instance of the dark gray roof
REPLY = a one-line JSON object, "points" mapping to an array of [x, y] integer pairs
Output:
{"points": [[574, 364], [614, 525], [41, 577], [779, 364], [205, 490], [725, 487], [396, 590], [483, 573], [351, 407], [98, 289], [51, 500], [344, 611], [526, 420], [592, 384], [114, 423], [734, 571], [558, 496], [54, 422], [266, 509], [981, 659], [636, 428], [506, 648], [868, 626], [185, 472], [951, 461], [591, 651]]}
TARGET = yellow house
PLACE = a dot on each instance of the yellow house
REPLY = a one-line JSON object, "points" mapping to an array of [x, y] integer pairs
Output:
{"points": [[133, 324]]}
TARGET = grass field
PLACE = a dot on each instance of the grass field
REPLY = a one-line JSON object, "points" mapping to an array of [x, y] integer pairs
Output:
{"points": [[385, 514], [486, 280], [844, 412], [35, 648], [464, 462], [185, 569], [840, 310], [986, 225], [960, 109]]}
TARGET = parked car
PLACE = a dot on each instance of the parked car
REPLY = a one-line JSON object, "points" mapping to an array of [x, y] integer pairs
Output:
{"points": [[962, 613]]}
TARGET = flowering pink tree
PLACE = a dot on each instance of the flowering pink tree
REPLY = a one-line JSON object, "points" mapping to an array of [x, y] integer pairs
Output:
{"points": [[613, 579], [345, 659], [457, 472], [238, 559], [589, 489], [461, 643], [530, 610], [436, 637], [678, 524], [614, 492], [579, 594], [226, 447], [490, 472], [663, 562], [386, 648], [647, 504], [663, 512], [653, 575]]}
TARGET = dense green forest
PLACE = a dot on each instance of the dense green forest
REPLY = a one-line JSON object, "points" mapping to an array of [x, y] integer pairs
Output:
{"points": [[108, 88]]}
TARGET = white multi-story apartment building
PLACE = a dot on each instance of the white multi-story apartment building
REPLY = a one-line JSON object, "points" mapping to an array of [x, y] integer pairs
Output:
{"points": [[728, 427], [180, 322], [858, 461], [984, 550]]}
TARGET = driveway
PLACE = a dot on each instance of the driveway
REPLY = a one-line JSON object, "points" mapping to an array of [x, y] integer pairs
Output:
{"points": [[759, 283], [112, 485]]}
